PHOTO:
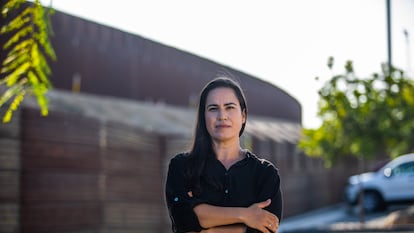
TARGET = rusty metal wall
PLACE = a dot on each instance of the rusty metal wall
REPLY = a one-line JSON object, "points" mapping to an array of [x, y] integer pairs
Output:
{"points": [[10, 174], [106, 61], [61, 171], [83, 175]]}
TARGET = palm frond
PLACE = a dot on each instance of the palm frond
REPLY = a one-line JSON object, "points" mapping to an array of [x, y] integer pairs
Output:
{"points": [[26, 66]]}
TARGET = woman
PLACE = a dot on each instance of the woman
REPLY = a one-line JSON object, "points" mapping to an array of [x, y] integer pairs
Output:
{"points": [[218, 186]]}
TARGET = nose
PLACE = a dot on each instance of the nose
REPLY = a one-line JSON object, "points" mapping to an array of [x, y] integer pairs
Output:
{"points": [[222, 115]]}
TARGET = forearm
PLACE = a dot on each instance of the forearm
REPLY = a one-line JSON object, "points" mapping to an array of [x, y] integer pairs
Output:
{"points": [[236, 228], [213, 216]]}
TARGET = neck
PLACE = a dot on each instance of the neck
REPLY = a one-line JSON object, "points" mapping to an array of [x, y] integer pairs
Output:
{"points": [[228, 154]]}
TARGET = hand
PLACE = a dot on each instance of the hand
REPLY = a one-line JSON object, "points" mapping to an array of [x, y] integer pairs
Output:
{"points": [[258, 218]]}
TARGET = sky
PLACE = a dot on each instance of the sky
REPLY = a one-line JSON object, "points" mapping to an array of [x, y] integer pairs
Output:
{"points": [[284, 42]]}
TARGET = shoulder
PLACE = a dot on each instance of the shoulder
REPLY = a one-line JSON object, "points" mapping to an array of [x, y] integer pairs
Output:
{"points": [[259, 161], [180, 156], [179, 159], [262, 164], [177, 166]]}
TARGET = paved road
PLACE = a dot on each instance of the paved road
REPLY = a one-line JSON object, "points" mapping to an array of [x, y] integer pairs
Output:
{"points": [[336, 218]]}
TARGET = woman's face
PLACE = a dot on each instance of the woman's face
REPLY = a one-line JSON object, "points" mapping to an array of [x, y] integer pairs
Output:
{"points": [[223, 114]]}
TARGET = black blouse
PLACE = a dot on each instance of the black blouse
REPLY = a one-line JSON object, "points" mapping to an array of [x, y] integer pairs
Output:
{"points": [[248, 181]]}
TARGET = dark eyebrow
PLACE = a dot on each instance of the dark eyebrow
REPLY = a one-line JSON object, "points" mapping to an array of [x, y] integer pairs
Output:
{"points": [[211, 105], [226, 104]]}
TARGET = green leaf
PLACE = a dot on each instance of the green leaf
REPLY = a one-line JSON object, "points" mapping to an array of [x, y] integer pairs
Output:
{"points": [[34, 81], [17, 100], [42, 73], [16, 62], [11, 5], [18, 22], [18, 36], [13, 106], [16, 74], [20, 49], [10, 92]]}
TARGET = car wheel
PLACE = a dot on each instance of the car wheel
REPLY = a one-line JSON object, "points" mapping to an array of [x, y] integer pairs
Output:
{"points": [[372, 201]]}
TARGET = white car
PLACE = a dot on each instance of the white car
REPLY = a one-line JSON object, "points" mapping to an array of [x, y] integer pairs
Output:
{"points": [[394, 182]]}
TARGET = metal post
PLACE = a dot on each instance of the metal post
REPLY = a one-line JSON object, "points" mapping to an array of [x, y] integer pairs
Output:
{"points": [[389, 36], [407, 42]]}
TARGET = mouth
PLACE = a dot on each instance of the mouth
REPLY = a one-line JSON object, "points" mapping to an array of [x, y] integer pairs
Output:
{"points": [[222, 126]]}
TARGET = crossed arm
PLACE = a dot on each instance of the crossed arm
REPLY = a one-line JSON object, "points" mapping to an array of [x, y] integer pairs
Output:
{"points": [[235, 219]]}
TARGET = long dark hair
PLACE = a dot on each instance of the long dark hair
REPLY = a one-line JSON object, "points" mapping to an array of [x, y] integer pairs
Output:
{"points": [[202, 148]]}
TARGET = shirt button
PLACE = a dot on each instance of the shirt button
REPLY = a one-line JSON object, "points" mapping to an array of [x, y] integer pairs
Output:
{"points": [[176, 199], [226, 191]]}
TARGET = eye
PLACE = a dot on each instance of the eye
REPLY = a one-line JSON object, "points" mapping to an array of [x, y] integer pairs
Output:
{"points": [[212, 108], [230, 107]]}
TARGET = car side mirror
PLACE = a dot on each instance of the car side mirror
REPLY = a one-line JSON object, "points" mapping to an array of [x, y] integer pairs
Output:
{"points": [[388, 172]]}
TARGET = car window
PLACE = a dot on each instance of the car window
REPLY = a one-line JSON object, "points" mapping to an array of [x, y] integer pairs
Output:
{"points": [[404, 169]]}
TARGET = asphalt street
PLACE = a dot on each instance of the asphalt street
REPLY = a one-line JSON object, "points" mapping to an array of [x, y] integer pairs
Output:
{"points": [[337, 218]]}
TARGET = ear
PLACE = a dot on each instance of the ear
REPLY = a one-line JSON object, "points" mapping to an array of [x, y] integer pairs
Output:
{"points": [[244, 116]]}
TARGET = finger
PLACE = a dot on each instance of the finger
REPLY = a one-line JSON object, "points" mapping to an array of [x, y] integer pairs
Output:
{"points": [[272, 224], [264, 203], [275, 226], [269, 229], [271, 218], [265, 229]]}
